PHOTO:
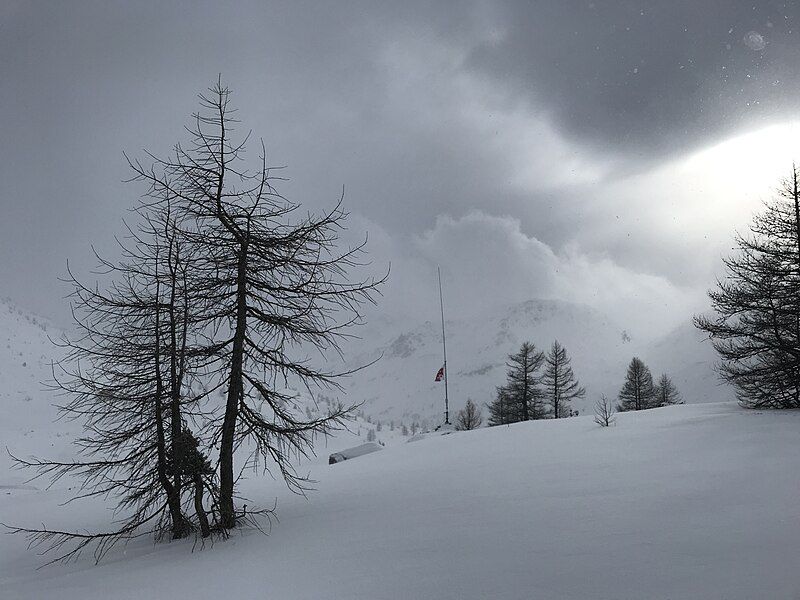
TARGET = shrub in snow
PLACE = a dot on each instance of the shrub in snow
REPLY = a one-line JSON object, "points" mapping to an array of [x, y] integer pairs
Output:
{"points": [[604, 412], [469, 417]]}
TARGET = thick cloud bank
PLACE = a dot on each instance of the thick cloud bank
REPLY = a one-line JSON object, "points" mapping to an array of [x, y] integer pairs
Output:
{"points": [[489, 262]]}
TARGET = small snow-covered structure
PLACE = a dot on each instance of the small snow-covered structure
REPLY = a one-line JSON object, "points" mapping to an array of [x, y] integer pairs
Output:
{"points": [[354, 452]]}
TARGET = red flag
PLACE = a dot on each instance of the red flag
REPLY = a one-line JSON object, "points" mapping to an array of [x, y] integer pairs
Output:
{"points": [[440, 374]]}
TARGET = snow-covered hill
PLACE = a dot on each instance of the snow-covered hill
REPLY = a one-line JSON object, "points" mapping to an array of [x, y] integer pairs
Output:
{"points": [[680, 502], [400, 386], [689, 358], [27, 405]]}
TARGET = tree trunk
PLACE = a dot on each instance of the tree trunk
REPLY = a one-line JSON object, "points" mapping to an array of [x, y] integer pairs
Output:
{"points": [[796, 198], [175, 384], [179, 525], [235, 390], [555, 386], [205, 529], [525, 389]]}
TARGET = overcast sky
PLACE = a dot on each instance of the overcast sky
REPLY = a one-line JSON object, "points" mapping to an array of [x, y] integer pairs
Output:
{"points": [[598, 152]]}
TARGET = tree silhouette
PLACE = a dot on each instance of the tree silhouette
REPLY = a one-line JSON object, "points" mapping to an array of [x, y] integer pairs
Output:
{"points": [[756, 325]]}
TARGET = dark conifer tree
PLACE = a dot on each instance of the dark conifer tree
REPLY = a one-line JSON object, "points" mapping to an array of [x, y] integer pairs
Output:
{"points": [[500, 409], [559, 382], [666, 392], [523, 382], [638, 393], [520, 399], [756, 325]]}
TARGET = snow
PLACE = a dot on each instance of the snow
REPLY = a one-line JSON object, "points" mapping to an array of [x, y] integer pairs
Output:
{"points": [[401, 385], [28, 422], [693, 501], [679, 502], [355, 452]]}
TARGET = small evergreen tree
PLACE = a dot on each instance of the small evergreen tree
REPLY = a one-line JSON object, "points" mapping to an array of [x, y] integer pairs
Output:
{"points": [[499, 413], [190, 463], [469, 417], [560, 384], [638, 393], [666, 392]]}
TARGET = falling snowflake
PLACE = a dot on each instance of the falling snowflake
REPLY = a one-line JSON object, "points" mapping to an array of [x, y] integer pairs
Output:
{"points": [[755, 41]]}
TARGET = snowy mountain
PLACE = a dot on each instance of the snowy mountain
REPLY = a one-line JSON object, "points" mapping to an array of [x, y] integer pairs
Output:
{"points": [[30, 423], [400, 386]]}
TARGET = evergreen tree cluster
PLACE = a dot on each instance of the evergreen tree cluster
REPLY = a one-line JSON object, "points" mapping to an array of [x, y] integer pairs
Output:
{"points": [[538, 386], [639, 392]]}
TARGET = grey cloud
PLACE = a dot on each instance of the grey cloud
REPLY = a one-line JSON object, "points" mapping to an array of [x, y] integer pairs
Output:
{"points": [[648, 78], [418, 108]]}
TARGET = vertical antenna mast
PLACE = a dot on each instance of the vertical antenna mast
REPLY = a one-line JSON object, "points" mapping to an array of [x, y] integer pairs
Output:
{"points": [[444, 350]]}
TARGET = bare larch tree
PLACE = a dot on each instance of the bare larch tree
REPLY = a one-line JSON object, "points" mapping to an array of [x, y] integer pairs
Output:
{"points": [[277, 283], [604, 412], [469, 417], [125, 374]]}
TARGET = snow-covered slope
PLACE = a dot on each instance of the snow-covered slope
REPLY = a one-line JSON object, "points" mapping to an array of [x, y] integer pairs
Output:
{"points": [[695, 501], [689, 358], [684, 502], [27, 406], [401, 386]]}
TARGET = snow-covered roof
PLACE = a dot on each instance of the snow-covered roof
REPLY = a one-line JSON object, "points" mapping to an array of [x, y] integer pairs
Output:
{"points": [[355, 452]]}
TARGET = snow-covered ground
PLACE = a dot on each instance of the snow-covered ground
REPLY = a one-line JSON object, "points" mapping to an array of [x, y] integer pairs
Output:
{"points": [[695, 501], [27, 424]]}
